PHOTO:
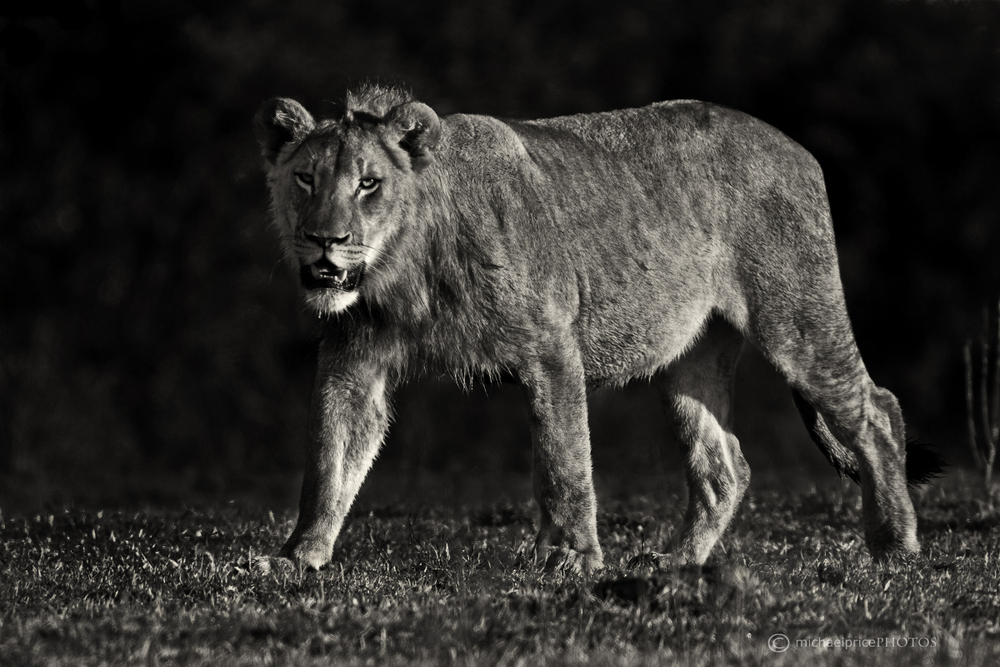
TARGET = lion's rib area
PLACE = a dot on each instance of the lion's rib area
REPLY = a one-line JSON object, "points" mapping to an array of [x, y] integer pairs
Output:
{"points": [[626, 226]]}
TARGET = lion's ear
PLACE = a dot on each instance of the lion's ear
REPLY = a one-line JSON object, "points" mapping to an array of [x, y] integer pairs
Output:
{"points": [[278, 122], [418, 129]]}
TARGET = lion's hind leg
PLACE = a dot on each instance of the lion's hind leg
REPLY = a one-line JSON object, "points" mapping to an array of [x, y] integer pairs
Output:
{"points": [[847, 412], [870, 423], [697, 394]]}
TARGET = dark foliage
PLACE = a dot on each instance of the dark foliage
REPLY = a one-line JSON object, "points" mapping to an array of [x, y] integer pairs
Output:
{"points": [[145, 315]]}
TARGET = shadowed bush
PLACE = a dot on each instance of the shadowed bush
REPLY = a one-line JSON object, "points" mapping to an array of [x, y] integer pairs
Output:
{"points": [[145, 316]]}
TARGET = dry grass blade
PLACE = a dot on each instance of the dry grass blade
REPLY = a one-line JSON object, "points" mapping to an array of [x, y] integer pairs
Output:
{"points": [[970, 407], [996, 383], [987, 403]]}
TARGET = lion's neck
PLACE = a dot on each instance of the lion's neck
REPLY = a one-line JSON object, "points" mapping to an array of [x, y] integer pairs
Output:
{"points": [[436, 294]]}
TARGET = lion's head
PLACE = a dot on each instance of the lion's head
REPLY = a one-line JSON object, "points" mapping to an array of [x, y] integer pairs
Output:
{"points": [[342, 188]]}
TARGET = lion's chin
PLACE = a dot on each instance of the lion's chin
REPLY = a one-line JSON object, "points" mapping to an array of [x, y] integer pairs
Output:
{"points": [[330, 301]]}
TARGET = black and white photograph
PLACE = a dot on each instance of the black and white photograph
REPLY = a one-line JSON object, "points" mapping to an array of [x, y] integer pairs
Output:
{"points": [[554, 332]]}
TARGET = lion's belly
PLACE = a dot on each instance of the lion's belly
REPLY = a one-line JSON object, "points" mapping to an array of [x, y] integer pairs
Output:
{"points": [[628, 339], [644, 302]]}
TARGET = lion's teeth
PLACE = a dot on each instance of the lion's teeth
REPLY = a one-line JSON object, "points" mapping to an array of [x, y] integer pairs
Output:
{"points": [[340, 275]]}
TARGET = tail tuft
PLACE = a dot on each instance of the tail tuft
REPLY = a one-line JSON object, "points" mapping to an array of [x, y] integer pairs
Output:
{"points": [[923, 463]]}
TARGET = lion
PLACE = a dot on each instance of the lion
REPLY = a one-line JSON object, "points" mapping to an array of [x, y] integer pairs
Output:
{"points": [[572, 253]]}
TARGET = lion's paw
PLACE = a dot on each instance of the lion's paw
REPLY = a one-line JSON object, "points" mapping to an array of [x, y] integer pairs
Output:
{"points": [[267, 565], [306, 554], [562, 559]]}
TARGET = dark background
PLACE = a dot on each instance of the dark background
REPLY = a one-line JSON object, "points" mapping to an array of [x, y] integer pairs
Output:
{"points": [[149, 331]]}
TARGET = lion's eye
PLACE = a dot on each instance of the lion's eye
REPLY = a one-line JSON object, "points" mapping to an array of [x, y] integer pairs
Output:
{"points": [[368, 183], [305, 181]]}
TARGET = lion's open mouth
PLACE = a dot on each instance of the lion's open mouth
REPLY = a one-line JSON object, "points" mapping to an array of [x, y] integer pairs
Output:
{"points": [[324, 274]]}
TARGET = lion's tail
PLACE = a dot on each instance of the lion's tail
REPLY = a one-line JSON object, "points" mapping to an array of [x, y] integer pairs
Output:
{"points": [[923, 463]]}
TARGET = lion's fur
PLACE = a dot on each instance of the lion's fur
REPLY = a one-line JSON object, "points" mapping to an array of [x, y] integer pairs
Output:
{"points": [[574, 253]]}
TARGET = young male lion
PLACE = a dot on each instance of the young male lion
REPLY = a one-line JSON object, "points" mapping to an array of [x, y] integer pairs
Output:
{"points": [[573, 253]]}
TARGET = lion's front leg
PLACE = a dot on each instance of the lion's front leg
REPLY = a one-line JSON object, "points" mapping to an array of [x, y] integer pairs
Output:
{"points": [[562, 474], [349, 418]]}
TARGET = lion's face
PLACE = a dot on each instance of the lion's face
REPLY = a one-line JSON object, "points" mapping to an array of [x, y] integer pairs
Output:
{"points": [[340, 191], [337, 202]]}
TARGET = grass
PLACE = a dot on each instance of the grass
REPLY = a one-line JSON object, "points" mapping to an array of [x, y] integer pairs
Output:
{"points": [[435, 583]]}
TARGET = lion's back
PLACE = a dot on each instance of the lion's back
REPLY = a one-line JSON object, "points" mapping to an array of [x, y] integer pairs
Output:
{"points": [[648, 220], [671, 136], [686, 179]]}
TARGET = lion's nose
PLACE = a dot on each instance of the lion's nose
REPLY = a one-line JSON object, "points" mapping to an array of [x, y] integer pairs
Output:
{"points": [[329, 241]]}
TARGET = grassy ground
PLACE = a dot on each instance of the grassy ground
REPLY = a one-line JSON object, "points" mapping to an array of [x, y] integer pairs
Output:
{"points": [[420, 581]]}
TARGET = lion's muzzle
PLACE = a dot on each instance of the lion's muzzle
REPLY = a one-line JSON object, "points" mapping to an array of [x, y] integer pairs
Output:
{"points": [[324, 274]]}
